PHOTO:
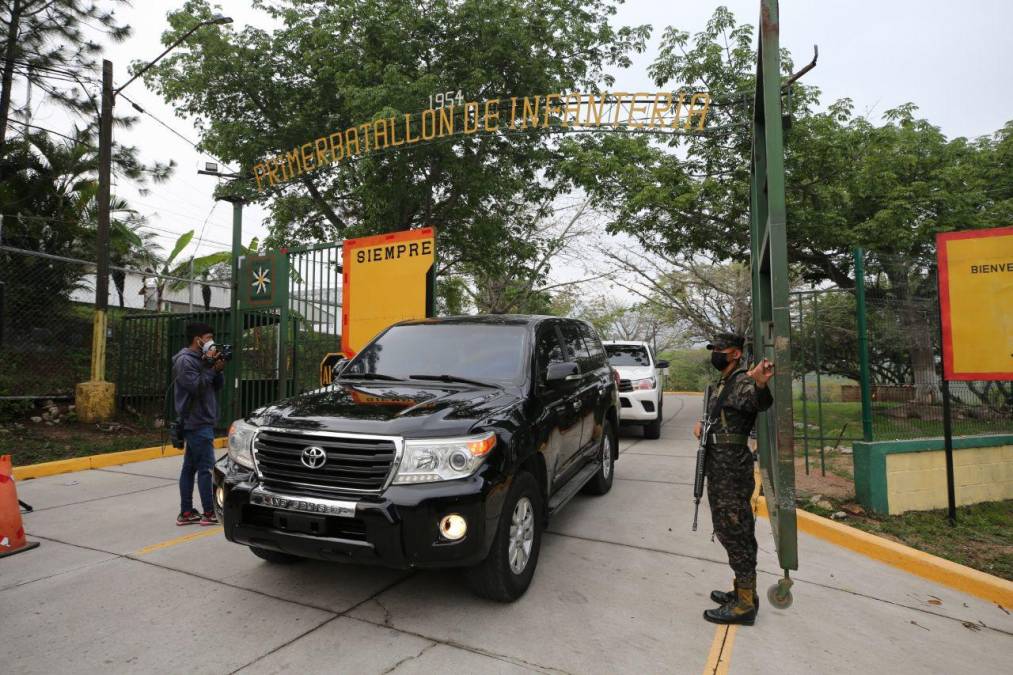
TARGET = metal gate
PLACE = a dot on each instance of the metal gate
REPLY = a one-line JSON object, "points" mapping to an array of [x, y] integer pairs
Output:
{"points": [[282, 342]]}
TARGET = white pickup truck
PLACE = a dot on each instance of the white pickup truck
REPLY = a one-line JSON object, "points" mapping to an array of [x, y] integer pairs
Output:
{"points": [[640, 384]]}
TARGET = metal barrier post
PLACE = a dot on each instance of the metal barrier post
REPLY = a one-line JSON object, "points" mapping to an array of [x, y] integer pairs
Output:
{"points": [[863, 345]]}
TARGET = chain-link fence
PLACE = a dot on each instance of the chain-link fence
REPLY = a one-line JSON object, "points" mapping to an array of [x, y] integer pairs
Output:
{"points": [[46, 324], [904, 361]]}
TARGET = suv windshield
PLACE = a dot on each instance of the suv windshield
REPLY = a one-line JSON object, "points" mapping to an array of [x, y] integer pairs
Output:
{"points": [[489, 353], [627, 355]]}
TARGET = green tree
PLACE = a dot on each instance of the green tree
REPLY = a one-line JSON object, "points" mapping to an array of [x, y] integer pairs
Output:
{"points": [[332, 65], [849, 182], [44, 45]]}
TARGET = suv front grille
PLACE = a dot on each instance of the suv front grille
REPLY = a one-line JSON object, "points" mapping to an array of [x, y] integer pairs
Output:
{"points": [[625, 385], [353, 462]]}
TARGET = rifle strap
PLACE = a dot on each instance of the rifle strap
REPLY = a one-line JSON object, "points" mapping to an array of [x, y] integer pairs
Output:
{"points": [[722, 395]]}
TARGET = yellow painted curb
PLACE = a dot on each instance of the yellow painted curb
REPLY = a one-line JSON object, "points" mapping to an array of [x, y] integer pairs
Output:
{"points": [[98, 461], [911, 560]]}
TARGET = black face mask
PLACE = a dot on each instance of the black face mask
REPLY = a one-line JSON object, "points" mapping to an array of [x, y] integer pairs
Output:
{"points": [[719, 360]]}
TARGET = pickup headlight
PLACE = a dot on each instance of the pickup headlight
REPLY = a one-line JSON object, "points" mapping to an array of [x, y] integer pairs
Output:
{"points": [[241, 443], [429, 460], [646, 383]]}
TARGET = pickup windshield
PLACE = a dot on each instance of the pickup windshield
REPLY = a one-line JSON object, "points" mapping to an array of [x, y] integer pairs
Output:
{"points": [[487, 353], [627, 355]]}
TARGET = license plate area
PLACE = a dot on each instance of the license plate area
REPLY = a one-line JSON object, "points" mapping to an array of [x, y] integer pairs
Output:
{"points": [[289, 521]]}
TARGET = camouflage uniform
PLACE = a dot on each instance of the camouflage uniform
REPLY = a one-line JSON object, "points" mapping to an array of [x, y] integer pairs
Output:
{"points": [[729, 471]]}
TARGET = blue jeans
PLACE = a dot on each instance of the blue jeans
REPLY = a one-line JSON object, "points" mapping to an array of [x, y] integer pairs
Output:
{"points": [[198, 459]]}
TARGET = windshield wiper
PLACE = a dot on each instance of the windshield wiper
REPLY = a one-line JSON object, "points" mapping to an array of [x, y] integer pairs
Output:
{"points": [[453, 378], [368, 376]]}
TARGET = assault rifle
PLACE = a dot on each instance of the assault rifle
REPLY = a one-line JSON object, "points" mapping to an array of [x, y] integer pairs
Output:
{"points": [[701, 456]]}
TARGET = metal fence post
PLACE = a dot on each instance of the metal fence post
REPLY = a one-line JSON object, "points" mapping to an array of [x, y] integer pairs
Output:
{"points": [[819, 383], [863, 345]]}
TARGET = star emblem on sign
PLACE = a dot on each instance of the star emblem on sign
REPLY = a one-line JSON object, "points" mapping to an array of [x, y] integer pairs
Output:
{"points": [[261, 280]]}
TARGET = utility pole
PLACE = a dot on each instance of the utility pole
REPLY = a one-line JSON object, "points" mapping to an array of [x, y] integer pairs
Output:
{"points": [[96, 398]]}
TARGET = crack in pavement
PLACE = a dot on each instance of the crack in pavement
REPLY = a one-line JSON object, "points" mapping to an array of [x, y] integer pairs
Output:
{"points": [[40, 509], [336, 616], [132, 473], [513, 660], [649, 480], [409, 658]]}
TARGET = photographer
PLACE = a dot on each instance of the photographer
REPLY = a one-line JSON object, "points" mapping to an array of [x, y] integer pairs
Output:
{"points": [[197, 373]]}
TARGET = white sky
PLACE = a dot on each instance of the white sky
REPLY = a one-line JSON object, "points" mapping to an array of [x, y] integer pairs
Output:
{"points": [[951, 59]]}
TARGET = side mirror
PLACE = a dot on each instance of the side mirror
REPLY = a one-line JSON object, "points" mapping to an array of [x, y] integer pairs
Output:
{"points": [[661, 365], [562, 373]]}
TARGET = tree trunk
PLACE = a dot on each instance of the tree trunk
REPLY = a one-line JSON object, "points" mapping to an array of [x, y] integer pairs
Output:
{"points": [[918, 329], [10, 51], [119, 280]]}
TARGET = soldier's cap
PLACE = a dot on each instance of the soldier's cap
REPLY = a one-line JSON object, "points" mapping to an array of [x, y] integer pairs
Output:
{"points": [[726, 340]]}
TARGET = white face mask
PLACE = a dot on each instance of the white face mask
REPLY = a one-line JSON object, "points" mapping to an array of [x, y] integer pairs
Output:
{"points": [[207, 346]]}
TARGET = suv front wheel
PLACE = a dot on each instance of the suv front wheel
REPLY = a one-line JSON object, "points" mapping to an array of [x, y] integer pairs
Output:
{"points": [[506, 573]]}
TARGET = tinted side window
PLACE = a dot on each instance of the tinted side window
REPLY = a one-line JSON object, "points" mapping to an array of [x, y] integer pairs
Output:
{"points": [[576, 350], [547, 350], [593, 344]]}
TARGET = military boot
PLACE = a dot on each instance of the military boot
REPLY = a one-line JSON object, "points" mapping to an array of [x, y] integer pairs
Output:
{"points": [[724, 597], [739, 610]]}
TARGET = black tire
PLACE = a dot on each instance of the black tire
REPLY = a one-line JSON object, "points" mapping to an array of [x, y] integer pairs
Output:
{"points": [[652, 430], [275, 557], [602, 481], [493, 578]]}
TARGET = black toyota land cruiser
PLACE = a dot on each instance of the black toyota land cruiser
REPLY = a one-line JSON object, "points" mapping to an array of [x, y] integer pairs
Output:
{"points": [[445, 442]]}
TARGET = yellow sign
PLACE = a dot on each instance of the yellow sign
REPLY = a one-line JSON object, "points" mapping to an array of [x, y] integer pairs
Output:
{"points": [[976, 303], [661, 110], [385, 281]]}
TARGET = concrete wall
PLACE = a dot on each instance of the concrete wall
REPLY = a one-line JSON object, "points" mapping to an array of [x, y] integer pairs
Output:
{"points": [[897, 476]]}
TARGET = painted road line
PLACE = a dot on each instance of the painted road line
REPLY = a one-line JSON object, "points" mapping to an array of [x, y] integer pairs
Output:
{"points": [[193, 536], [99, 461], [911, 560], [720, 655]]}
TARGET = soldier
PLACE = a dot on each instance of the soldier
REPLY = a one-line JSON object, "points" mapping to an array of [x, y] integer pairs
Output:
{"points": [[729, 472]]}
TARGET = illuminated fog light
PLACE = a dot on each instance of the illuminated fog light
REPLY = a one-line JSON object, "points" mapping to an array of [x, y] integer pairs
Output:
{"points": [[453, 527], [220, 497]]}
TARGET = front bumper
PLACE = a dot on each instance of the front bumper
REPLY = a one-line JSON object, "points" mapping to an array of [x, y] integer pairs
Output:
{"points": [[639, 405], [398, 529]]}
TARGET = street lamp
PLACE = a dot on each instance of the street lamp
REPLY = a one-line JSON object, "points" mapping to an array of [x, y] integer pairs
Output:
{"points": [[95, 399]]}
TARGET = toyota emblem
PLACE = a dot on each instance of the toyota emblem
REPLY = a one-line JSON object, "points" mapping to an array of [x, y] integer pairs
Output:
{"points": [[314, 457]]}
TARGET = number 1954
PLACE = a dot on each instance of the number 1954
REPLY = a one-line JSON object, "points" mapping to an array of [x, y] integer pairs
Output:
{"points": [[445, 98]]}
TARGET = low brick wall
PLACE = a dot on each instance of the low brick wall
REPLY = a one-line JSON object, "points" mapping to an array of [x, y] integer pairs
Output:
{"points": [[897, 476]]}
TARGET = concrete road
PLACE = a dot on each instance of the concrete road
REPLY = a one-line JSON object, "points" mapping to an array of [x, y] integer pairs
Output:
{"points": [[620, 587]]}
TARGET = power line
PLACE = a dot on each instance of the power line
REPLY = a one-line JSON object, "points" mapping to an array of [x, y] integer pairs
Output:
{"points": [[51, 131]]}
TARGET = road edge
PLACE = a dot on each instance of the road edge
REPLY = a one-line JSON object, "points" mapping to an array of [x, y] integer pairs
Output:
{"points": [[99, 461], [911, 560]]}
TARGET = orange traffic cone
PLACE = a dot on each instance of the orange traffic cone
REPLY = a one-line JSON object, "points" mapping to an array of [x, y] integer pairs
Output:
{"points": [[12, 532]]}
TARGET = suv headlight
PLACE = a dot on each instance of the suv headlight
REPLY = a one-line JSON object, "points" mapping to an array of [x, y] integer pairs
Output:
{"points": [[429, 460], [646, 383], [241, 443]]}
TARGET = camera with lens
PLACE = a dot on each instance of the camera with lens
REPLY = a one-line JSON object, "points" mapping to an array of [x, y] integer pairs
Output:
{"points": [[222, 353]]}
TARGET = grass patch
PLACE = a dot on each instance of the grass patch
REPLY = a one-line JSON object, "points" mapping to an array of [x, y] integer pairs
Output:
{"points": [[981, 539], [31, 443], [837, 414]]}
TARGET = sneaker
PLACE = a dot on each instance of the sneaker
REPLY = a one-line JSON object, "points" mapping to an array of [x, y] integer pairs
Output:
{"points": [[209, 518], [190, 517]]}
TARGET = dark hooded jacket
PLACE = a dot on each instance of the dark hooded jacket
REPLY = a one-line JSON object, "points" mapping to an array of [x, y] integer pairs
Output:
{"points": [[195, 380]]}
